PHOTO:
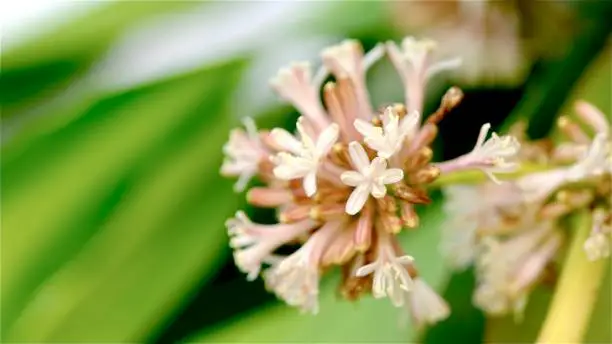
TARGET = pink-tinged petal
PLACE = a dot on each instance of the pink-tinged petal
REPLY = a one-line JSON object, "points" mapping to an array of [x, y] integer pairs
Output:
{"points": [[378, 190], [359, 157], [392, 175], [395, 55], [373, 55], [442, 66], [357, 199], [310, 183], [484, 130], [351, 178], [327, 138], [592, 116], [285, 140]]}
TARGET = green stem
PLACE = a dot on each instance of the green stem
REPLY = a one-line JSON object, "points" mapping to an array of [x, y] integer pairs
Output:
{"points": [[475, 176], [576, 292]]}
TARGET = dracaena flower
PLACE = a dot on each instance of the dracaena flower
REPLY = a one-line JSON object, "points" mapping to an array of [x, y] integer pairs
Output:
{"points": [[493, 155], [369, 178], [425, 305], [347, 183], [388, 139], [389, 272], [301, 158], [244, 152]]}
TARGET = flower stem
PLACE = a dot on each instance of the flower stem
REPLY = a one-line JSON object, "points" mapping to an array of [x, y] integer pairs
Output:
{"points": [[475, 176], [577, 290]]}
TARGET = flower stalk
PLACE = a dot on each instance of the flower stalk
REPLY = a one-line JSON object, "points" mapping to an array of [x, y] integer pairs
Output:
{"points": [[476, 177], [577, 290]]}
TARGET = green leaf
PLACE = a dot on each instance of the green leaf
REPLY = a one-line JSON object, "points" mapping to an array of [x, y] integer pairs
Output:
{"points": [[368, 320], [554, 81], [166, 235], [599, 327], [72, 179], [45, 64]]}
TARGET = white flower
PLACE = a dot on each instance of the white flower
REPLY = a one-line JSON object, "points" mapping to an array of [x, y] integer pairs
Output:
{"points": [[243, 153], [474, 208], [370, 178], [391, 278], [302, 157], [597, 160], [389, 139], [491, 154], [536, 187], [255, 243], [426, 306], [295, 279]]}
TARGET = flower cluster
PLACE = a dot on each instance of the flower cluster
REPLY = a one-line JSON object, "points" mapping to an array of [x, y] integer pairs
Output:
{"points": [[347, 182], [512, 232]]}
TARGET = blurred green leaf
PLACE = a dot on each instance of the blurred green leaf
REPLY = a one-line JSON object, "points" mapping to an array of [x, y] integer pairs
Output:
{"points": [[368, 320], [553, 81], [166, 234], [506, 330], [67, 178], [599, 327], [44, 65]]}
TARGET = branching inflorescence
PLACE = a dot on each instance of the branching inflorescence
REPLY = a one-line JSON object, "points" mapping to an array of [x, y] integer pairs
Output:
{"points": [[513, 232], [348, 181]]}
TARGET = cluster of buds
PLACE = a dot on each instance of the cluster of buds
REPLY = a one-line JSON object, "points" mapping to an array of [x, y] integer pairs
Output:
{"points": [[348, 181], [512, 232]]}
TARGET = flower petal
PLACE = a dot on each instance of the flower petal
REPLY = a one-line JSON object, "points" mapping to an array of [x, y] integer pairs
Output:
{"points": [[378, 190], [390, 120], [357, 199], [409, 122], [306, 139], [366, 269], [359, 158], [310, 183], [285, 140], [442, 66], [327, 138], [392, 175], [378, 166], [351, 178], [484, 130], [366, 128]]}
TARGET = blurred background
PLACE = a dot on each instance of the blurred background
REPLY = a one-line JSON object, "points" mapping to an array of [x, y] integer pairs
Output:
{"points": [[114, 115]]}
